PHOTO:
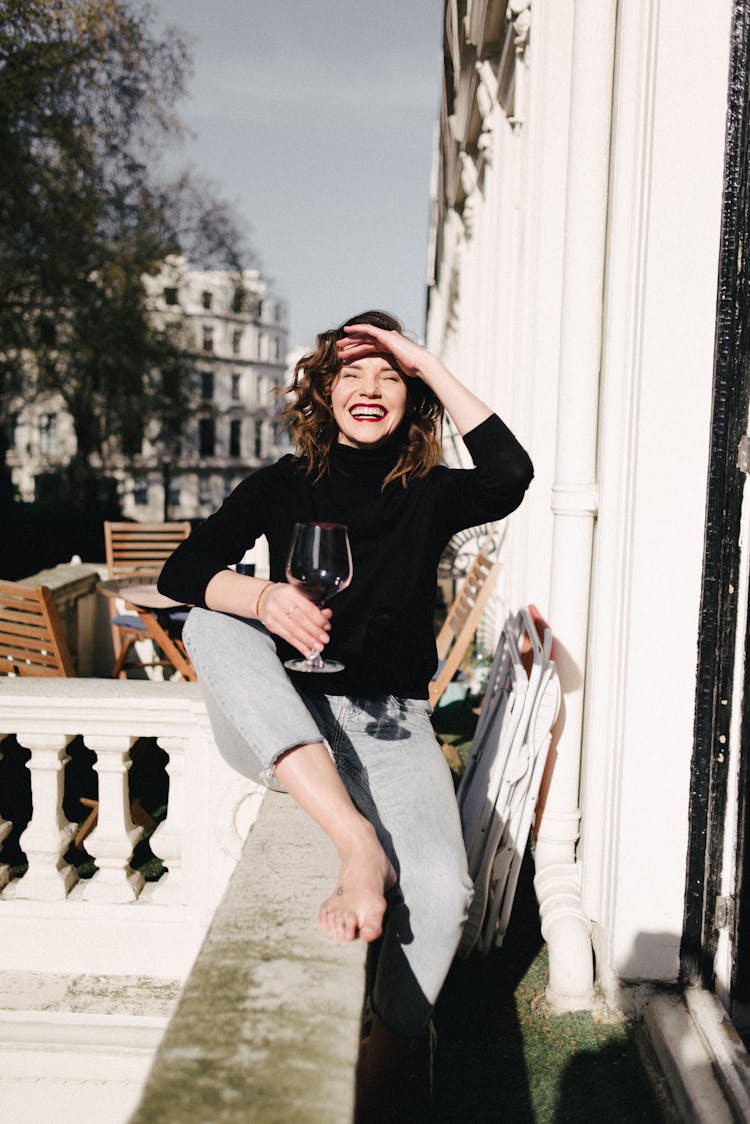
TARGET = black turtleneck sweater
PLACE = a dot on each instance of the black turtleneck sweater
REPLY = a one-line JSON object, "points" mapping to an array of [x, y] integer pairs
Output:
{"points": [[382, 626]]}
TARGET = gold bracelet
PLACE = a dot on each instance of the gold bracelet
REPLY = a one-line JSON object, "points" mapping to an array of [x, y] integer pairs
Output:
{"points": [[261, 595]]}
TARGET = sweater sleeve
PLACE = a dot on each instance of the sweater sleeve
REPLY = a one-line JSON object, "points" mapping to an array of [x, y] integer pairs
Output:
{"points": [[222, 539], [495, 486]]}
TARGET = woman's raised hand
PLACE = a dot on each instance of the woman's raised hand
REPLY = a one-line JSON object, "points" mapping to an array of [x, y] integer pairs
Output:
{"points": [[466, 410], [365, 339]]}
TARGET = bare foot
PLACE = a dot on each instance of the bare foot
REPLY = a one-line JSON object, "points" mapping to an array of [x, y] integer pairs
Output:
{"points": [[356, 907]]}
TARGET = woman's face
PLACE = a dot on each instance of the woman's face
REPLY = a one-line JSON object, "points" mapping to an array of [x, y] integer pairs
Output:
{"points": [[368, 399]]}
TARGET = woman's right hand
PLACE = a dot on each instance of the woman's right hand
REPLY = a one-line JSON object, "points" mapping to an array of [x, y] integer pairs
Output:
{"points": [[283, 609], [287, 613]]}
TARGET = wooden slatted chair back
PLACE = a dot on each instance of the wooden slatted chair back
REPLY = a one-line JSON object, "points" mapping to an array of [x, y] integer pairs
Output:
{"points": [[462, 621], [145, 547], [32, 641]]}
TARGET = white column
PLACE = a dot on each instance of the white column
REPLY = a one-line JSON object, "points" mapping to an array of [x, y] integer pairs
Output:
{"points": [[574, 495], [48, 835], [115, 835], [166, 841]]}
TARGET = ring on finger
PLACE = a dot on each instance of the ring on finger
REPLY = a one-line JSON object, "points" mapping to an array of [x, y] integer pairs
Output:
{"points": [[291, 611]]}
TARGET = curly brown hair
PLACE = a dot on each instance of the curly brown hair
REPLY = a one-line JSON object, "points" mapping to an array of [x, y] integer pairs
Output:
{"points": [[310, 416]]}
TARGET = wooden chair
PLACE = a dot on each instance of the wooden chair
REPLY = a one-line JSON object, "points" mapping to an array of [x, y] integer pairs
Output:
{"points": [[462, 621], [32, 641], [134, 549]]}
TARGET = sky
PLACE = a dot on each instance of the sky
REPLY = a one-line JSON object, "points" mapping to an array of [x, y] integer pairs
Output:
{"points": [[316, 120]]}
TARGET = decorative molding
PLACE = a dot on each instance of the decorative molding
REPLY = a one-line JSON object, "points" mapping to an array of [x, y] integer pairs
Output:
{"points": [[487, 104], [486, 89], [518, 13], [511, 67], [470, 187], [574, 499]]}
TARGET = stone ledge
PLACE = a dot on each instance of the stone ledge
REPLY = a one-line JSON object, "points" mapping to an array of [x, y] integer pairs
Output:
{"points": [[269, 1016], [49, 994], [699, 1081]]}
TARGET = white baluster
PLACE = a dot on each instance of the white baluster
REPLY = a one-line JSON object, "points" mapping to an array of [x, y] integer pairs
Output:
{"points": [[48, 835], [166, 841], [5, 828], [115, 835]]}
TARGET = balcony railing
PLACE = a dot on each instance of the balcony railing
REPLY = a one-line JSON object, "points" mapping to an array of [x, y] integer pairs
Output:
{"points": [[239, 897], [114, 922]]}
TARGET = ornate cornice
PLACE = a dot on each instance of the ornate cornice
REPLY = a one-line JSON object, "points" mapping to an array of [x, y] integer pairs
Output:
{"points": [[518, 13]]}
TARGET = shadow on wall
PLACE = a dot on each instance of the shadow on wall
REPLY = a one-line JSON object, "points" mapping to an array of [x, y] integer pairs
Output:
{"points": [[653, 957]]}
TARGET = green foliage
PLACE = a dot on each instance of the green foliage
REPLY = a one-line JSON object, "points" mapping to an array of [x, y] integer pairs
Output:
{"points": [[87, 96]]}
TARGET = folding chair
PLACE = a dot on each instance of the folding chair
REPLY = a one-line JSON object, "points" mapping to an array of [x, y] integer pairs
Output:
{"points": [[32, 641], [498, 791], [462, 620], [136, 550]]}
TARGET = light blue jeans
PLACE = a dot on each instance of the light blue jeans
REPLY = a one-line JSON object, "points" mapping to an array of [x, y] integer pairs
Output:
{"points": [[395, 773]]}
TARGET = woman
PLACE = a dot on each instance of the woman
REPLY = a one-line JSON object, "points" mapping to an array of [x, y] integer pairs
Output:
{"points": [[356, 748]]}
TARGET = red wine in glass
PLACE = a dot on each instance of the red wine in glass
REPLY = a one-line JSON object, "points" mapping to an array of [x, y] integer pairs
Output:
{"points": [[320, 565]]}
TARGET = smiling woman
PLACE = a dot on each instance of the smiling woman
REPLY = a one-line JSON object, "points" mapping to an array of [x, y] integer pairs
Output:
{"points": [[368, 400], [346, 370], [356, 748]]}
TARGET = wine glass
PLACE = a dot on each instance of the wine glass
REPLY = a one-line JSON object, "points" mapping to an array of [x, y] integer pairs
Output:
{"points": [[320, 565]]}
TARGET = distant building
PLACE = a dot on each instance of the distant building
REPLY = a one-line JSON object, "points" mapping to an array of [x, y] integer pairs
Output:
{"points": [[236, 337]]}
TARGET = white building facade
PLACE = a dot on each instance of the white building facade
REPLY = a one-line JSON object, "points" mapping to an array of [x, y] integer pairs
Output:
{"points": [[235, 333], [587, 230]]}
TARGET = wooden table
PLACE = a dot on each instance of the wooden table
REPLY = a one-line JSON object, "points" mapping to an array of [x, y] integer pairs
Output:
{"points": [[141, 593]]}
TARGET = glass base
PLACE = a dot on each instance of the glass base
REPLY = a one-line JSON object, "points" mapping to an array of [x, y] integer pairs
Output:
{"points": [[321, 666]]}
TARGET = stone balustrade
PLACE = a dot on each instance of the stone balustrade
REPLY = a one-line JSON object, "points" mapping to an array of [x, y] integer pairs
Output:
{"points": [[90, 965], [113, 922]]}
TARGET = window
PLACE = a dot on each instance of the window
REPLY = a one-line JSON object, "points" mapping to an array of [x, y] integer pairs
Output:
{"points": [[140, 491], [237, 301], [174, 491], [204, 489], [235, 437], [206, 437], [258, 439], [206, 299], [170, 296], [48, 435], [236, 341], [275, 349], [14, 428], [208, 337], [235, 387], [207, 385], [277, 311], [258, 388]]}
